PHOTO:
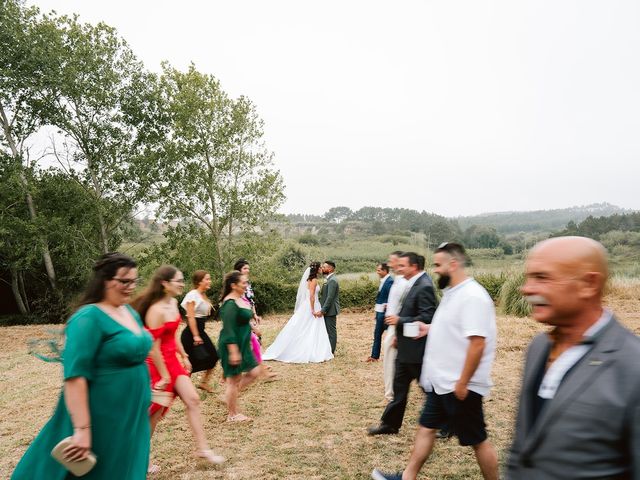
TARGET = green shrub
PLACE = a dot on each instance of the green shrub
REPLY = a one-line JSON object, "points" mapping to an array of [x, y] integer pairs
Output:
{"points": [[309, 239], [292, 258], [511, 300], [359, 293], [393, 239], [274, 297], [492, 283], [476, 253]]}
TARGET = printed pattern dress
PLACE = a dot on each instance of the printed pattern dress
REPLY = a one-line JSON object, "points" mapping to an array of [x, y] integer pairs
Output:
{"points": [[112, 359]]}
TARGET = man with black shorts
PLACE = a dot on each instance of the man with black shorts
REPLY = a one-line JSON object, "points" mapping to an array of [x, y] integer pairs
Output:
{"points": [[456, 368]]}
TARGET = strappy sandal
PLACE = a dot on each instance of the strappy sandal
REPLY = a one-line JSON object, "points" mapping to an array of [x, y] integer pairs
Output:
{"points": [[153, 469], [239, 417], [210, 456]]}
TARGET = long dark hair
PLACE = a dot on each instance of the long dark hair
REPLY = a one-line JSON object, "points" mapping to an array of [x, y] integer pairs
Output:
{"points": [[230, 278], [154, 291], [313, 270], [104, 270], [239, 264]]}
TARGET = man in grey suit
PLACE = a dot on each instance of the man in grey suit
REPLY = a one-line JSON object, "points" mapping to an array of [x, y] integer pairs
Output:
{"points": [[579, 412], [330, 302]]}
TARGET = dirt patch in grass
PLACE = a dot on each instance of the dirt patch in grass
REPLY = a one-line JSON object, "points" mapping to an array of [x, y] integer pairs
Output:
{"points": [[310, 424]]}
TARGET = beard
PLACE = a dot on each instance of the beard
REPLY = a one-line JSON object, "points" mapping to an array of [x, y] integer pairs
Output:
{"points": [[443, 281]]}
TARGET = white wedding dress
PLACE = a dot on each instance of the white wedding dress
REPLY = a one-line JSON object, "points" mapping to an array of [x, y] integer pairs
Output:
{"points": [[304, 338]]}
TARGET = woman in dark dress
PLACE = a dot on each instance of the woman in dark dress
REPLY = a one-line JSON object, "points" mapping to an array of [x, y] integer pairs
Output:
{"points": [[234, 346], [196, 342]]}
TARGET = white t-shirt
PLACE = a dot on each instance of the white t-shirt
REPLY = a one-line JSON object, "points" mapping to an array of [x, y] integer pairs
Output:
{"points": [[465, 310], [203, 308]]}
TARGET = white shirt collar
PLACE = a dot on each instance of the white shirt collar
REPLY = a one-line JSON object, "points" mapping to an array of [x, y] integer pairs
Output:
{"points": [[449, 290], [567, 359], [330, 275], [413, 279], [384, 279], [599, 325]]}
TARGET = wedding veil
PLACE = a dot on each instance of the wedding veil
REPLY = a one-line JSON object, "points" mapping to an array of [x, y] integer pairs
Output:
{"points": [[303, 288]]}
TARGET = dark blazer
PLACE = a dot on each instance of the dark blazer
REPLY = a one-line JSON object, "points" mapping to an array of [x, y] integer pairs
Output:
{"points": [[419, 305], [383, 293], [329, 297], [591, 428]]}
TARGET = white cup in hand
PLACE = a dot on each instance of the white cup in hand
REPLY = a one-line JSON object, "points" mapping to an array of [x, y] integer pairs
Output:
{"points": [[411, 329]]}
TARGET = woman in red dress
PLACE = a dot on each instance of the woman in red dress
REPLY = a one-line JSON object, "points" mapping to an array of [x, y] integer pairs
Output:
{"points": [[159, 309]]}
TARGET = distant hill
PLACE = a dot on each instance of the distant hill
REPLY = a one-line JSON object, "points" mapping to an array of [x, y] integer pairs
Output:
{"points": [[539, 220]]}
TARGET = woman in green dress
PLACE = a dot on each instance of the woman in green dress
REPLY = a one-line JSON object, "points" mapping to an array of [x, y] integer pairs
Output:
{"points": [[234, 345], [104, 404]]}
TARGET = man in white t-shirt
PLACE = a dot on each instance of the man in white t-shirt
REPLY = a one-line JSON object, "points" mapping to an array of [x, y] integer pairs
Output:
{"points": [[456, 368]]}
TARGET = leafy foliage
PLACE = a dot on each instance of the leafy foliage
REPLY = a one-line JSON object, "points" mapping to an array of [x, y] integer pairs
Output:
{"points": [[492, 283], [596, 227], [511, 300], [119, 133], [213, 171]]}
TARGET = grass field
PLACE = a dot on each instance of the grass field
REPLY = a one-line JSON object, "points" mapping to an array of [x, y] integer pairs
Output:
{"points": [[310, 424]]}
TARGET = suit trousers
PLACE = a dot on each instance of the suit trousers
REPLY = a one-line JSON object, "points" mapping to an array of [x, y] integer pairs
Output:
{"points": [[389, 353], [377, 335], [394, 412], [330, 324]]}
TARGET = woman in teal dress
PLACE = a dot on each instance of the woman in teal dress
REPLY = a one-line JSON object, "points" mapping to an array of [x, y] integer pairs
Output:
{"points": [[105, 399], [234, 347]]}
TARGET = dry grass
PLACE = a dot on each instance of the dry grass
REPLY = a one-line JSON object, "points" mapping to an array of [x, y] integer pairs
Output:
{"points": [[308, 425]]}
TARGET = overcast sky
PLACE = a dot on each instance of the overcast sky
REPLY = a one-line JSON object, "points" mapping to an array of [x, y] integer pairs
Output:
{"points": [[454, 107]]}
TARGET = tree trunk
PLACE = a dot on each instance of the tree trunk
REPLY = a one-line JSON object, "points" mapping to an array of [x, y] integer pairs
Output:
{"points": [[232, 205], [46, 255], [16, 291], [214, 227], [23, 292], [104, 234]]}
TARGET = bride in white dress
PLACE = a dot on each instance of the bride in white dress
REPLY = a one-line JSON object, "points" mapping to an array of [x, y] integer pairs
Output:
{"points": [[304, 338]]}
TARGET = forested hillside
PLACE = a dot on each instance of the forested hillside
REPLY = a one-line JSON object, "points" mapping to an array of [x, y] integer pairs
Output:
{"points": [[538, 220]]}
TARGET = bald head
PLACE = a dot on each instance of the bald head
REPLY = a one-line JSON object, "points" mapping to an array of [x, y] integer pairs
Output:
{"points": [[565, 281], [573, 255]]}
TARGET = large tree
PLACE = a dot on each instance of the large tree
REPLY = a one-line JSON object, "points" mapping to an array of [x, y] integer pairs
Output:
{"points": [[216, 173], [28, 66], [101, 111]]}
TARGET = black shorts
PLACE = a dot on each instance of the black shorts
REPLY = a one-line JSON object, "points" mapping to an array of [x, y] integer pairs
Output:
{"points": [[464, 419]]}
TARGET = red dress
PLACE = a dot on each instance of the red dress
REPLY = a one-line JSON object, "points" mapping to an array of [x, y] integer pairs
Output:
{"points": [[167, 335]]}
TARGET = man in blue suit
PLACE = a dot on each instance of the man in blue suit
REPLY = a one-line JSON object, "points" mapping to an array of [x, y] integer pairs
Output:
{"points": [[381, 307]]}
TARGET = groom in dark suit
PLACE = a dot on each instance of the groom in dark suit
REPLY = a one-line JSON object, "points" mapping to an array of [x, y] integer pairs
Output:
{"points": [[330, 302], [418, 304]]}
